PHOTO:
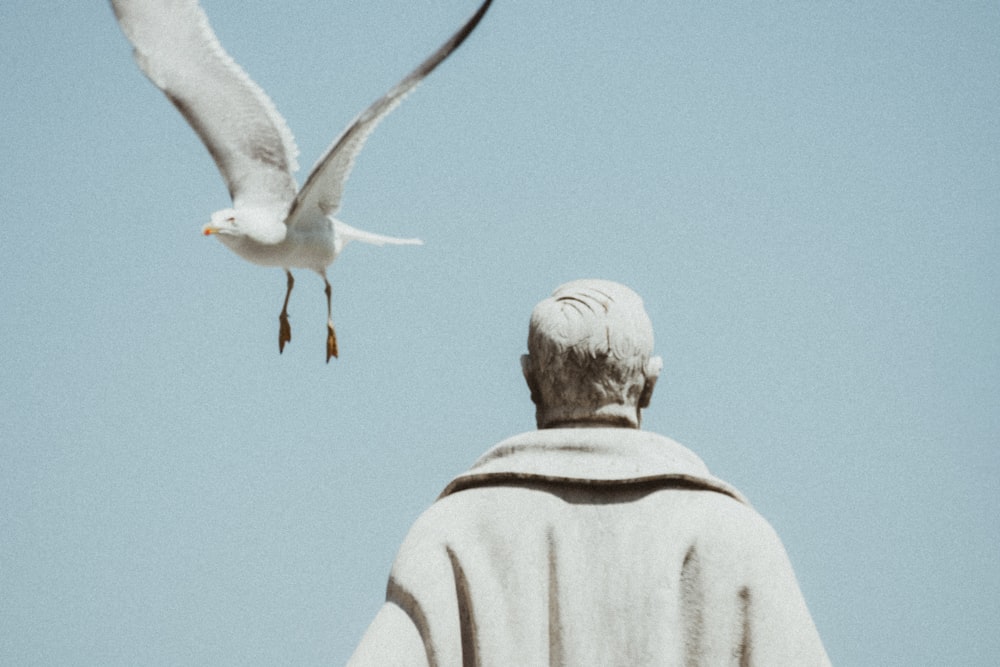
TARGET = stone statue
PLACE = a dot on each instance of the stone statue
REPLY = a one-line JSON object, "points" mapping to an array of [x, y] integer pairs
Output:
{"points": [[589, 541]]}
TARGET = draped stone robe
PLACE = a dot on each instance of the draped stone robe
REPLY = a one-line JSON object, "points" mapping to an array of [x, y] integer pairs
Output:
{"points": [[591, 546]]}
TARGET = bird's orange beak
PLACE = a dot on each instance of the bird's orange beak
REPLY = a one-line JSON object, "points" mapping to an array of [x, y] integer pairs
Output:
{"points": [[208, 230]]}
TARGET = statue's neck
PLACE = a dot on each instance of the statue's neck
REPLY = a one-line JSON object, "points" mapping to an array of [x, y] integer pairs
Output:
{"points": [[617, 416]]}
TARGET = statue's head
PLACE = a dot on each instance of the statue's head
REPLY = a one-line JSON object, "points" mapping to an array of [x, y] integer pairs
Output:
{"points": [[589, 357]]}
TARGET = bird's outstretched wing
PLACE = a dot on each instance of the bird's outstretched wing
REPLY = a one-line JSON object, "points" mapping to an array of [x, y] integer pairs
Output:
{"points": [[325, 185], [247, 137]]}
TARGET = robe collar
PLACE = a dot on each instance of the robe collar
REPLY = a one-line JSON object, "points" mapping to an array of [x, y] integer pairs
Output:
{"points": [[591, 456]]}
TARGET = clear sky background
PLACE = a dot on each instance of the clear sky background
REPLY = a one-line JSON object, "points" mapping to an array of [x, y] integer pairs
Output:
{"points": [[807, 196]]}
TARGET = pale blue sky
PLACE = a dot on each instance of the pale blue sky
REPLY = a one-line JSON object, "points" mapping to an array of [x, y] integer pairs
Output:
{"points": [[807, 195]]}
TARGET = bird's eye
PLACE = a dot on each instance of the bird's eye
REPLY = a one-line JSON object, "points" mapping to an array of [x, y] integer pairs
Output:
{"points": [[231, 219]]}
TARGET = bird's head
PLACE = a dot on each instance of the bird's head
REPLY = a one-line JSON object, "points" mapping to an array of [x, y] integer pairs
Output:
{"points": [[247, 225], [223, 222]]}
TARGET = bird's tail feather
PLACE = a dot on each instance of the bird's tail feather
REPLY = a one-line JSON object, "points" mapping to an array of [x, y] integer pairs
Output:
{"points": [[347, 233]]}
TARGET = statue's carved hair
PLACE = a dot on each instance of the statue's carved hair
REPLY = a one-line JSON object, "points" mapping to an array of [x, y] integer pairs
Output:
{"points": [[589, 346]]}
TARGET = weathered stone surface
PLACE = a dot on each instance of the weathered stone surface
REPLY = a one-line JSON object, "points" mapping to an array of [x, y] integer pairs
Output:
{"points": [[589, 541]]}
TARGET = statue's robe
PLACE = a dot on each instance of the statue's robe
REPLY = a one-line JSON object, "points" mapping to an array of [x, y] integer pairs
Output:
{"points": [[591, 546]]}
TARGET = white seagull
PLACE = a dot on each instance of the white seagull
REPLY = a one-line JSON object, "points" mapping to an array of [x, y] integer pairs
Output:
{"points": [[271, 222]]}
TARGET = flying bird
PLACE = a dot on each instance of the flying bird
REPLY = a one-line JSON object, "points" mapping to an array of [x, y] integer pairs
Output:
{"points": [[271, 222]]}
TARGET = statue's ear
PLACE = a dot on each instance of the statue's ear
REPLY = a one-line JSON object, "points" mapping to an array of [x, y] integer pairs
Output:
{"points": [[652, 373], [529, 377]]}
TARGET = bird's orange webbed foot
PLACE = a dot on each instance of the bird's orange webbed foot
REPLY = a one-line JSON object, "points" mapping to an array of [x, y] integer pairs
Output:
{"points": [[284, 332], [331, 342]]}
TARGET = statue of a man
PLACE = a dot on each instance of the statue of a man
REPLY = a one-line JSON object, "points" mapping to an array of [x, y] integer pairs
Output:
{"points": [[589, 541]]}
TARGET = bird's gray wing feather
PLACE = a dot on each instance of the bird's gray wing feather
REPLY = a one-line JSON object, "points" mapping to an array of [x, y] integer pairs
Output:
{"points": [[324, 187], [246, 136]]}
